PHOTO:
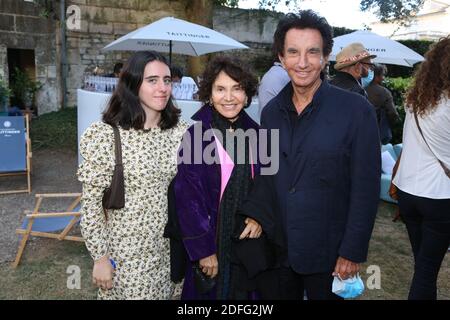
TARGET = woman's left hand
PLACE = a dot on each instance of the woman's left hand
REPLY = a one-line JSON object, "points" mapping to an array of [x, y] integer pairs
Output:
{"points": [[252, 230]]}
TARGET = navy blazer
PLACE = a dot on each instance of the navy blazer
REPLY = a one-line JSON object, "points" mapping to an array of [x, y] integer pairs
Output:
{"points": [[327, 186]]}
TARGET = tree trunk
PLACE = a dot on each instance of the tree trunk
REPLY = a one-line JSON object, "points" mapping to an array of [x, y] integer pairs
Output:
{"points": [[199, 12]]}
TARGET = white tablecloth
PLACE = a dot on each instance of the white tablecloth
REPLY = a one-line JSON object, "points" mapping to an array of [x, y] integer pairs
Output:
{"points": [[90, 106]]}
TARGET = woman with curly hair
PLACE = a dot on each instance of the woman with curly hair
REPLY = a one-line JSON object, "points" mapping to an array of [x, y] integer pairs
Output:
{"points": [[423, 176], [209, 193]]}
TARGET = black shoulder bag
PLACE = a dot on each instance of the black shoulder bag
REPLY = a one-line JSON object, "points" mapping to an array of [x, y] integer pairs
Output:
{"points": [[114, 196]]}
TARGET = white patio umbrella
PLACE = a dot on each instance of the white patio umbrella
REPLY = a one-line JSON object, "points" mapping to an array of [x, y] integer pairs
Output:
{"points": [[388, 51], [177, 36]]}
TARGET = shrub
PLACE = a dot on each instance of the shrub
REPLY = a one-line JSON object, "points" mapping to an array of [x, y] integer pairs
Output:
{"points": [[419, 46], [398, 87], [24, 88], [5, 93]]}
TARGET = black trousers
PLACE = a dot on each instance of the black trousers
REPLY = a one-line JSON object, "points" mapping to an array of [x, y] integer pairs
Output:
{"points": [[317, 286], [428, 224]]}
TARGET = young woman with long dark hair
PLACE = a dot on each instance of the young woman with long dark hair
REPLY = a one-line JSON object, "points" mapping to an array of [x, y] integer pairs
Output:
{"points": [[131, 257]]}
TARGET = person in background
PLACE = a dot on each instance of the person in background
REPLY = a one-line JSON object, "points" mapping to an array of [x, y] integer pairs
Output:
{"points": [[271, 84], [381, 98], [116, 71], [179, 78], [131, 257], [423, 175], [352, 63], [272, 81]]}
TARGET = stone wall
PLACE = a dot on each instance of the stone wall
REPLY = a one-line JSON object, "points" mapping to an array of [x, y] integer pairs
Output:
{"points": [[21, 27], [103, 21], [255, 28]]}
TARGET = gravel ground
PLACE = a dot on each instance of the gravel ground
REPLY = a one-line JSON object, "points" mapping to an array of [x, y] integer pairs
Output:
{"points": [[52, 172]]}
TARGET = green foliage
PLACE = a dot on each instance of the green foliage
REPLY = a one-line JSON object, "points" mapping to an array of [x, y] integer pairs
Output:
{"points": [[392, 9], [385, 9], [47, 8], [55, 130], [24, 88], [5, 92], [419, 46], [261, 64], [398, 88], [228, 3], [340, 31]]}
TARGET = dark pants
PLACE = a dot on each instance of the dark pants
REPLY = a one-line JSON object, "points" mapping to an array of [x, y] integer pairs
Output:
{"points": [[317, 286], [428, 224]]}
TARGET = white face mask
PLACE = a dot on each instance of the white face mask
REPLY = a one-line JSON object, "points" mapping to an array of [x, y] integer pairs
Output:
{"points": [[367, 80]]}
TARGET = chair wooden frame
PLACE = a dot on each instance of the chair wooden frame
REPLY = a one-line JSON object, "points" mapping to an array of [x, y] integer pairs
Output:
{"points": [[36, 214], [27, 172]]}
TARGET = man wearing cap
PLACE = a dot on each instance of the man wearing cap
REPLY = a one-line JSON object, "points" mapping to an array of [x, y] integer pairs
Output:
{"points": [[352, 64], [319, 207]]}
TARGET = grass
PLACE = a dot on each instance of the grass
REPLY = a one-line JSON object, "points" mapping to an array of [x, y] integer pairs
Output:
{"points": [[55, 130], [391, 251], [42, 273]]}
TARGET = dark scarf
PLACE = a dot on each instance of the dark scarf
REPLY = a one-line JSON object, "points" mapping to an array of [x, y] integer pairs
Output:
{"points": [[234, 194]]}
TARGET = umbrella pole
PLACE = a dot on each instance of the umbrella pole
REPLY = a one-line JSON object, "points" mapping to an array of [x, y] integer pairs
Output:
{"points": [[170, 53]]}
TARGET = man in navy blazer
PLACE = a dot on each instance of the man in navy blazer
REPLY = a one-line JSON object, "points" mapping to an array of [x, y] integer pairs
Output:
{"points": [[324, 197]]}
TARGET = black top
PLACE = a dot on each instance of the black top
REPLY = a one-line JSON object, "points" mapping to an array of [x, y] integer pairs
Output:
{"points": [[346, 81], [236, 190]]}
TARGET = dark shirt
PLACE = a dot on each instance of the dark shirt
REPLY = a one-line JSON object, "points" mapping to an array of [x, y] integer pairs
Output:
{"points": [[236, 189], [299, 119], [346, 81], [298, 122], [381, 98]]}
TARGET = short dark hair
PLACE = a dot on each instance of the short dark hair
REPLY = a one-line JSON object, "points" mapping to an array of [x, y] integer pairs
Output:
{"points": [[305, 19], [176, 72], [379, 69], [125, 108], [118, 67], [235, 69]]}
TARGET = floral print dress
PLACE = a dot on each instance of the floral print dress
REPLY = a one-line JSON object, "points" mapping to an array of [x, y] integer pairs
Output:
{"points": [[132, 236]]}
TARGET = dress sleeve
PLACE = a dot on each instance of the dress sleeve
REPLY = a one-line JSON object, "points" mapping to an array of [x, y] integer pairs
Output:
{"points": [[95, 172]]}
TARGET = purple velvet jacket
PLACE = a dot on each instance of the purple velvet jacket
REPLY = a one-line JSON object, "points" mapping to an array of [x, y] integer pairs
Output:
{"points": [[197, 193]]}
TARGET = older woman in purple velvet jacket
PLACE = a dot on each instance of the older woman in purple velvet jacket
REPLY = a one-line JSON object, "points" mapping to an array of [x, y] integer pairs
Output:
{"points": [[215, 172]]}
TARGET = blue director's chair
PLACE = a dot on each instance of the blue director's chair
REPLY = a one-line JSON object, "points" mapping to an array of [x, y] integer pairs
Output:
{"points": [[15, 149], [53, 225]]}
